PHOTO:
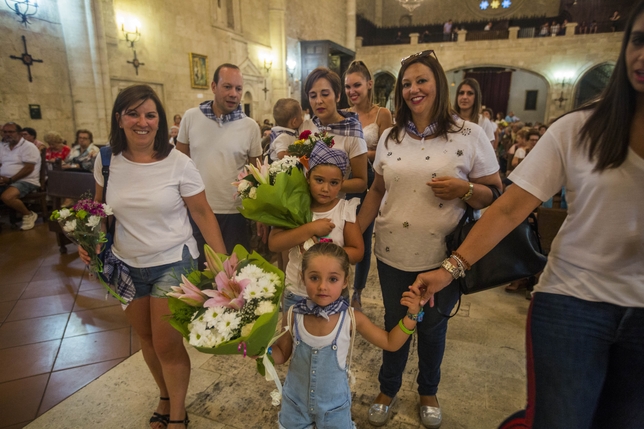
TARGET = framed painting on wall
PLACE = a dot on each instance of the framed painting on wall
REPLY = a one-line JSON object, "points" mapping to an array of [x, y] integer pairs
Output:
{"points": [[198, 71]]}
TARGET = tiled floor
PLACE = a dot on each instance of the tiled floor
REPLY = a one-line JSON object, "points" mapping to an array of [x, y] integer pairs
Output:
{"points": [[57, 330]]}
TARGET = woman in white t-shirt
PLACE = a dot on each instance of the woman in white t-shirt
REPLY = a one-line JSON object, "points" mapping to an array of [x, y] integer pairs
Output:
{"points": [[468, 106], [150, 188], [585, 335], [431, 164], [323, 88]]}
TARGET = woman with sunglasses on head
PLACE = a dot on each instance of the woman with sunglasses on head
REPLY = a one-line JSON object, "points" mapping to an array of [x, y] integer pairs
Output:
{"points": [[358, 85], [430, 165], [585, 329], [468, 106]]}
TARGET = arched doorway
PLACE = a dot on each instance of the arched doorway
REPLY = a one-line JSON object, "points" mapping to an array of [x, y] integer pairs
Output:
{"points": [[247, 102], [593, 83], [383, 90]]}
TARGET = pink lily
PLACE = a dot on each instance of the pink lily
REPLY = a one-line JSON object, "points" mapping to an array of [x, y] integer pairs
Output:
{"points": [[229, 292], [213, 262], [260, 173], [188, 293]]}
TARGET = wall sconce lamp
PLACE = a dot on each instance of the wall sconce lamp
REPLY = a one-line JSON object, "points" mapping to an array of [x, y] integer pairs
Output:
{"points": [[268, 64], [131, 36], [290, 67], [24, 9], [562, 78]]}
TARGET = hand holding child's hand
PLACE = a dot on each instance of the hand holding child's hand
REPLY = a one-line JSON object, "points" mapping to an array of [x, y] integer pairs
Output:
{"points": [[411, 301], [322, 227]]}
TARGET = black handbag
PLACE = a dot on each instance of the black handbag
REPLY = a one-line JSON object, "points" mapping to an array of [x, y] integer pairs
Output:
{"points": [[517, 256], [106, 159]]}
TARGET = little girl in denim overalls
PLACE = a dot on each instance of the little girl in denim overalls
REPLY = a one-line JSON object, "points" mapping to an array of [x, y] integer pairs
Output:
{"points": [[316, 391]]}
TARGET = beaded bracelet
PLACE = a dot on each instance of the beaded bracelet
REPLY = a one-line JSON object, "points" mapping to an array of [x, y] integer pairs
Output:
{"points": [[402, 326], [461, 260]]}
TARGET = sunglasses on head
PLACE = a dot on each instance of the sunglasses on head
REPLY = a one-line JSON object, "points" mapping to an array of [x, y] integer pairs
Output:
{"points": [[422, 54]]}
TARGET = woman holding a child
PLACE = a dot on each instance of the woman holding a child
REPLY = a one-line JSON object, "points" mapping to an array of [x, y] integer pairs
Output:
{"points": [[428, 167]]}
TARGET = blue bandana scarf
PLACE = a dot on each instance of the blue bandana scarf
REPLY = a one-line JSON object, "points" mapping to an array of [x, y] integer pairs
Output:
{"points": [[117, 272], [276, 132], [206, 109], [322, 154], [429, 130], [306, 306], [349, 126]]}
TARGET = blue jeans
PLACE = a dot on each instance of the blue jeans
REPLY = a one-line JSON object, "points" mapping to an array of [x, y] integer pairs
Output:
{"points": [[585, 365], [363, 267], [23, 187], [156, 281], [431, 332]]}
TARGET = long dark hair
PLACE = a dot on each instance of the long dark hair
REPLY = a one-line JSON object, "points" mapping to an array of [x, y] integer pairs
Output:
{"points": [[476, 108], [137, 95], [443, 112], [606, 133], [358, 66]]}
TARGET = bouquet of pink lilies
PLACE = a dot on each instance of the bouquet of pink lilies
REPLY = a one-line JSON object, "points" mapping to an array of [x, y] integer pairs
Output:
{"points": [[232, 307]]}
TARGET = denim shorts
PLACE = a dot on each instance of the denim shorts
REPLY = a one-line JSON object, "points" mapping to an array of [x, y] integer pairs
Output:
{"points": [[156, 281], [23, 187]]}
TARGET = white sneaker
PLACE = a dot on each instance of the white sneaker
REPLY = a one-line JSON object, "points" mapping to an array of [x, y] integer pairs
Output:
{"points": [[29, 221]]}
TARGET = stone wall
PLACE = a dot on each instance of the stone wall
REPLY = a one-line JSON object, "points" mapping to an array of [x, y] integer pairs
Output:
{"points": [[547, 57], [310, 20]]}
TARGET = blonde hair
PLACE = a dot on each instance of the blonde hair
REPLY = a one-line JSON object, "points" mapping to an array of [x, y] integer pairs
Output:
{"points": [[53, 138]]}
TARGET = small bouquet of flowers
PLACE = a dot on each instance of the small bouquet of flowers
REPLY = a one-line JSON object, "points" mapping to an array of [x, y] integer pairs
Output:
{"points": [[275, 194], [232, 307], [302, 148], [82, 225]]}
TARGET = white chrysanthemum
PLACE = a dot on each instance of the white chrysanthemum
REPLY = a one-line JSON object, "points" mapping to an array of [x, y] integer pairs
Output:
{"points": [[252, 194], [267, 291], [243, 185], [93, 221], [264, 307], [108, 210], [70, 226], [226, 324], [251, 291], [199, 334], [211, 315], [64, 213], [251, 272]]}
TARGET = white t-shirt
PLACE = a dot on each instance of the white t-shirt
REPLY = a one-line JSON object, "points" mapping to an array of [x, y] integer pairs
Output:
{"points": [[598, 254], [487, 126], [344, 211], [12, 161], [152, 223], [283, 141], [353, 146], [220, 153], [412, 223]]}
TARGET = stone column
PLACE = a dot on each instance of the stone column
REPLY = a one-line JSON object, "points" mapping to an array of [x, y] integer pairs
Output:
{"points": [[413, 38], [462, 35], [82, 25], [378, 19], [359, 42], [514, 33], [351, 25], [570, 28], [279, 81]]}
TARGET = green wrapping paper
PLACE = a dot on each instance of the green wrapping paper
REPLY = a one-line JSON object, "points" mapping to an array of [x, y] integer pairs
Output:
{"points": [[285, 204]]}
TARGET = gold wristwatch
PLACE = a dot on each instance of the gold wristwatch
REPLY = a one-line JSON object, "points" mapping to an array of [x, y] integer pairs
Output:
{"points": [[456, 271], [469, 193]]}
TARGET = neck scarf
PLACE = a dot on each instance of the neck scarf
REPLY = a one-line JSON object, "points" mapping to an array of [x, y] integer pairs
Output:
{"points": [[306, 306], [118, 273], [429, 130], [349, 126], [277, 131], [206, 109]]}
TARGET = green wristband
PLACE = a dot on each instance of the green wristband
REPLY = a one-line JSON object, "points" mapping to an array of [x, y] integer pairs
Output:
{"points": [[401, 325]]}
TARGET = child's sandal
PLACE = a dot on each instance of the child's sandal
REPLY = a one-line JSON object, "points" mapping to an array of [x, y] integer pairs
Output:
{"points": [[164, 419]]}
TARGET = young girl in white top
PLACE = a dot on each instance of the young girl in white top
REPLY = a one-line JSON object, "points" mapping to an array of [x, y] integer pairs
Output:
{"points": [[316, 390], [334, 219]]}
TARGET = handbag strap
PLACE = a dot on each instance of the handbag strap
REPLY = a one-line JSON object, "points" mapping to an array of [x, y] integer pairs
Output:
{"points": [[106, 159]]}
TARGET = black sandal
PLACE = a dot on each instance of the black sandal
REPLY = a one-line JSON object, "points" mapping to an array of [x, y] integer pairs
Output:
{"points": [[182, 422], [164, 419]]}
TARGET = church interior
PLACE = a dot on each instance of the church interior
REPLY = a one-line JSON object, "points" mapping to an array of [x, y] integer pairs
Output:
{"points": [[68, 357]]}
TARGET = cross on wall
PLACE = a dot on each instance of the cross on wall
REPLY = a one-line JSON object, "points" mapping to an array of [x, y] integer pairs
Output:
{"points": [[26, 58], [136, 63]]}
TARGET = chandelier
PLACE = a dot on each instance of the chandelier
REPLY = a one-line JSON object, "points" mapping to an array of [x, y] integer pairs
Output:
{"points": [[23, 8], [410, 5]]}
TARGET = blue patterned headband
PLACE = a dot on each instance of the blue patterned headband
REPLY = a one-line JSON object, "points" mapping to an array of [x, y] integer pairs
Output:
{"points": [[322, 154]]}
